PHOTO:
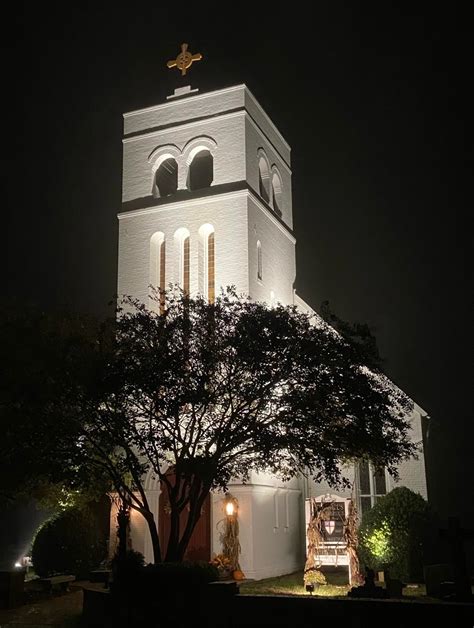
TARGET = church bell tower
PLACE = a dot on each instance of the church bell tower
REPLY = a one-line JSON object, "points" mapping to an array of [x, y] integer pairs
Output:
{"points": [[206, 198]]}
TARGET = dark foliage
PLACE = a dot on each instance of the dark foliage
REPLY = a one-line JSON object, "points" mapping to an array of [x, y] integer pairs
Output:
{"points": [[403, 521], [200, 394], [358, 334], [70, 543]]}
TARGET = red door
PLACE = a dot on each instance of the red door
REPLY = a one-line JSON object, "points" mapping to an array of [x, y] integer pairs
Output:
{"points": [[199, 547]]}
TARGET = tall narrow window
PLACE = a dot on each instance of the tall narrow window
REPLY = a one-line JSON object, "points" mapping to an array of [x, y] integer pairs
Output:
{"points": [[211, 279], [259, 260], [157, 271], [372, 485], [181, 257], [206, 263], [162, 276], [185, 254]]}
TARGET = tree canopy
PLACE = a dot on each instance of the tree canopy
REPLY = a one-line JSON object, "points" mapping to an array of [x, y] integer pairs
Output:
{"points": [[204, 393]]}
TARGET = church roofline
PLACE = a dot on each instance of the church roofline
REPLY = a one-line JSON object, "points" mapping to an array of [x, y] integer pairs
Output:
{"points": [[202, 96], [302, 303]]}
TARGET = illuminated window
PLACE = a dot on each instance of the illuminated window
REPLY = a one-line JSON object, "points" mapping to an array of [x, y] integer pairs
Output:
{"points": [[259, 260], [201, 171], [185, 256], [206, 263], [181, 258], [211, 280], [158, 269], [166, 179], [372, 485]]}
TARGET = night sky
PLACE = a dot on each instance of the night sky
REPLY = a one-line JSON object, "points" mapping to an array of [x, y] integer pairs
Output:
{"points": [[372, 104]]}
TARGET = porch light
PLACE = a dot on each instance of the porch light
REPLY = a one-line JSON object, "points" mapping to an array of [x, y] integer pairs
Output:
{"points": [[229, 508]]}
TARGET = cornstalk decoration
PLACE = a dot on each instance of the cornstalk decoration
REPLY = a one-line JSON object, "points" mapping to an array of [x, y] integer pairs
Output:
{"points": [[230, 536], [315, 538], [351, 539]]}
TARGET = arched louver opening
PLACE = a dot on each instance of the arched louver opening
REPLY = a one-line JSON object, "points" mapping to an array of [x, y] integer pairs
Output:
{"points": [[276, 194], [264, 179], [166, 179], [201, 171]]}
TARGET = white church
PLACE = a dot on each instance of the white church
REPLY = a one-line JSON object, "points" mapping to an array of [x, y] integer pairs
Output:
{"points": [[207, 203]]}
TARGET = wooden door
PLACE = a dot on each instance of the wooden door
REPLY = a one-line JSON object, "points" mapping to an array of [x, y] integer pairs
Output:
{"points": [[199, 547]]}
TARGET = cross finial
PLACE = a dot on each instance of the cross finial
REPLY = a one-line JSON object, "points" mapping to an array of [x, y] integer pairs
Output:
{"points": [[184, 60]]}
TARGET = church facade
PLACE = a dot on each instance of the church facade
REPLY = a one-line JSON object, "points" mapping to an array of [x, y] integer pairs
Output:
{"points": [[207, 203]]}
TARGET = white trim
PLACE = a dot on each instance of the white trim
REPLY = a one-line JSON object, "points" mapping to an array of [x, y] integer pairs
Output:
{"points": [[176, 205], [197, 97], [272, 145], [167, 105], [188, 125]]}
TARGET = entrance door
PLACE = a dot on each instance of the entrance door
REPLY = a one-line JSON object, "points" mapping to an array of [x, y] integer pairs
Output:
{"points": [[199, 547]]}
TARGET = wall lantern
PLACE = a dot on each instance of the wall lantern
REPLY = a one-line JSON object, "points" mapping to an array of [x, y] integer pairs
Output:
{"points": [[229, 508]]}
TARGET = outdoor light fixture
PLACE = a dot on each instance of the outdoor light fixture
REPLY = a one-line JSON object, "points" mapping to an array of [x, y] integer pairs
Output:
{"points": [[229, 508], [18, 565]]}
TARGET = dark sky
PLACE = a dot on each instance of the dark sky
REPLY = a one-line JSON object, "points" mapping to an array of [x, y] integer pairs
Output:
{"points": [[372, 103]]}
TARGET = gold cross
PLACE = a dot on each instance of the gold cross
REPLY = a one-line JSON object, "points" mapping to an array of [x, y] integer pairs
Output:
{"points": [[184, 60]]}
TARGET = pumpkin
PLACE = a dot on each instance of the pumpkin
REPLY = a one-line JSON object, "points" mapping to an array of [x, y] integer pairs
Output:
{"points": [[238, 575]]}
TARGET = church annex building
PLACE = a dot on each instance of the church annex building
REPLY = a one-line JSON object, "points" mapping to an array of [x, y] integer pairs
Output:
{"points": [[207, 203]]}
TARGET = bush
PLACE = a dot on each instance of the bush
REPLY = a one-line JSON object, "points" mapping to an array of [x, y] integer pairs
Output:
{"points": [[314, 576], [186, 573], [70, 542], [392, 533]]}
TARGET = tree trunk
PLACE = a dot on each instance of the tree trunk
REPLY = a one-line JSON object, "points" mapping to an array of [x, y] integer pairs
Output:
{"points": [[172, 554], [155, 539]]}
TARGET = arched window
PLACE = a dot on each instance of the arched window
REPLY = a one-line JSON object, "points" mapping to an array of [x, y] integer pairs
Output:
{"points": [[201, 170], [186, 272], [182, 259], [158, 270], [207, 269], [211, 269], [264, 178], [259, 260], [276, 193], [166, 178]]}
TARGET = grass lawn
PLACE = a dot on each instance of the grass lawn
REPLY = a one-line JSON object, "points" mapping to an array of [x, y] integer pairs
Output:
{"points": [[292, 584]]}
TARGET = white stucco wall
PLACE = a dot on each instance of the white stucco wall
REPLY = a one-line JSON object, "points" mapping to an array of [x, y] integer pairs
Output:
{"points": [[255, 140], [226, 213], [141, 152], [278, 256]]}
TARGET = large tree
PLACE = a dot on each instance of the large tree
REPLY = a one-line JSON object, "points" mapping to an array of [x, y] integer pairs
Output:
{"points": [[203, 393], [213, 391]]}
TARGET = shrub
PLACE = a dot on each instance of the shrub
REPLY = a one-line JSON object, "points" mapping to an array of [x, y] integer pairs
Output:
{"points": [[392, 533], [185, 573], [70, 542], [141, 582], [314, 576]]}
